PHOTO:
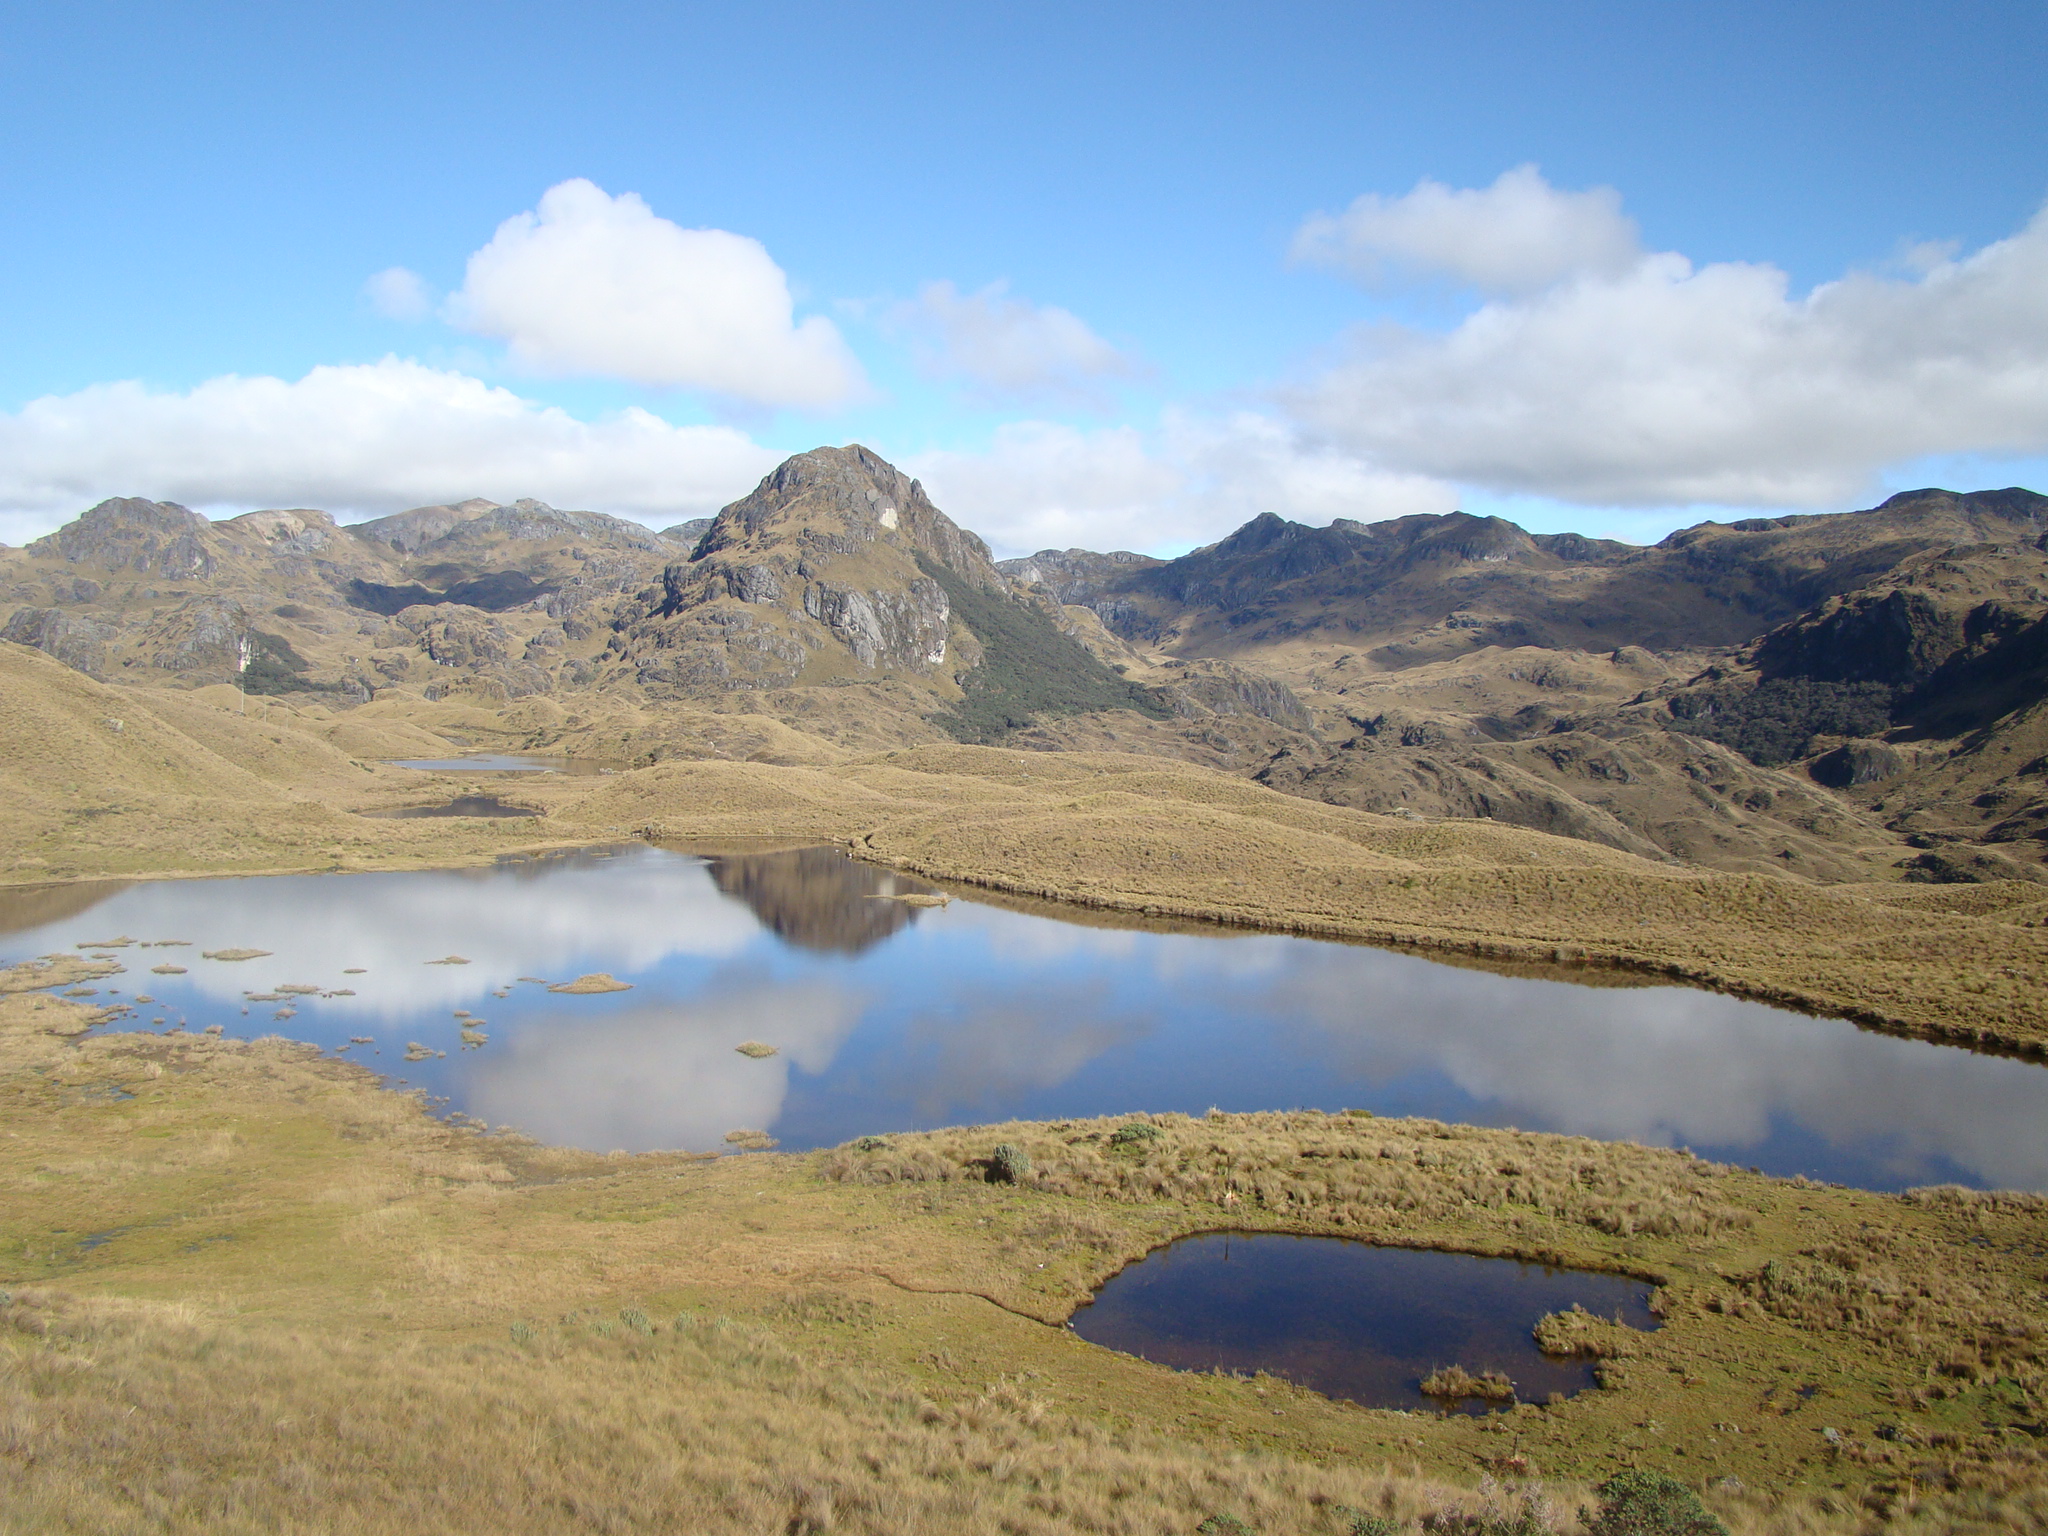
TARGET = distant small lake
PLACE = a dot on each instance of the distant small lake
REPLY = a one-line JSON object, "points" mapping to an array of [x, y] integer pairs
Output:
{"points": [[507, 762], [889, 1016], [461, 805], [1349, 1319]]}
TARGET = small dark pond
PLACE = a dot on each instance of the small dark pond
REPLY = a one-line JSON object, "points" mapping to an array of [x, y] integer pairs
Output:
{"points": [[887, 1015], [461, 805], [507, 762], [1349, 1319]]}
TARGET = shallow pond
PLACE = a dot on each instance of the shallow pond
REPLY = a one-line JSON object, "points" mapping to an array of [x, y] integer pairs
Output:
{"points": [[886, 1015], [461, 805], [1349, 1319], [507, 762]]}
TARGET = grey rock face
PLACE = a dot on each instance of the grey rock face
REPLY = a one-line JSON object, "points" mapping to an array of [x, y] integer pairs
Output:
{"points": [[905, 629], [80, 643], [754, 583], [297, 532], [1858, 762]]}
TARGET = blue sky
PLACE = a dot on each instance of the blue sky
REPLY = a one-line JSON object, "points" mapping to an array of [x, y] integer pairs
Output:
{"points": [[1618, 267]]}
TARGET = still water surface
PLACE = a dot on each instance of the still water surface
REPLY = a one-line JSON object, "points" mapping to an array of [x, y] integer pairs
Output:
{"points": [[888, 1016], [1349, 1319]]}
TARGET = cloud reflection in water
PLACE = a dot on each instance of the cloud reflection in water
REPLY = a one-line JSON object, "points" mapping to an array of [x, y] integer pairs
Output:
{"points": [[890, 1017]]}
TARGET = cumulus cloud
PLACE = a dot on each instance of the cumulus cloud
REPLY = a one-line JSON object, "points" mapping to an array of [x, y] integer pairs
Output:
{"points": [[1666, 384], [1043, 485], [362, 439], [1515, 236], [598, 285], [1008, 347], [398, 294]]}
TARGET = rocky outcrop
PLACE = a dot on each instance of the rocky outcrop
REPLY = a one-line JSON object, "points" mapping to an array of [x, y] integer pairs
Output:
{"points": [[202, 635], [78, 640], [128, 533], [1210, 687]]}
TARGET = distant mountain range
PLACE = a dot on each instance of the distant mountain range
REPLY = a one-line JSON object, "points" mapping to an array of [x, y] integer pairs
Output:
{"points": [[1841, 696]]}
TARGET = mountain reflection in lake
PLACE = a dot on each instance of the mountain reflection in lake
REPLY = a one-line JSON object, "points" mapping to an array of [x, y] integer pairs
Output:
{"points": [[890, 1016]]}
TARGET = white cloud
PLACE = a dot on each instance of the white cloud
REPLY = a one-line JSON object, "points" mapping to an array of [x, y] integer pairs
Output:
{"points": [[1010, 347], [598, 285], [1664, 384], [1044, 485], [398, 294], [1515, 236], [362, 439]]}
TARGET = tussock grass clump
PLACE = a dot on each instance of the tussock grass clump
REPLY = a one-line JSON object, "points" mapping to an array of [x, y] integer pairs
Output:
{"points": [[1576, 1331], [1457, 1383], [1866, 1285], [1340, 1171]]}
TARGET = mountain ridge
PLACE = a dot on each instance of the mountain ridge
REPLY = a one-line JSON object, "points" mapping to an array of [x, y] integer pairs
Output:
{"points": [[1832, 695]]}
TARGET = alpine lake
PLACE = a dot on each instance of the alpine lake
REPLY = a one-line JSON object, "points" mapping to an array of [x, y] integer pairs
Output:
{"points": [[639, 997]]}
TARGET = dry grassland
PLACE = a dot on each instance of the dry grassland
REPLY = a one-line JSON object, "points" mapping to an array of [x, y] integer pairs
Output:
{"points": [[250, 1290]]}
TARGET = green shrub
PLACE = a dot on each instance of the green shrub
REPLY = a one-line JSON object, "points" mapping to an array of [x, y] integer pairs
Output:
{"points": [[1639, 1503], [1008, 1163], [1137, 1133], [1223, 1525]]}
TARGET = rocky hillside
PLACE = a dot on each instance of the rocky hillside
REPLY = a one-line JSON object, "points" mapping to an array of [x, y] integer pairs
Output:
{"points": [[1840, 697], [1423, 588]]}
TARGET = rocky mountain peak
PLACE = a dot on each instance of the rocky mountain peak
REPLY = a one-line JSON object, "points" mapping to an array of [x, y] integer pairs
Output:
{"points": [[837, 500], [298, 528], [134, 533], [410, 530]]}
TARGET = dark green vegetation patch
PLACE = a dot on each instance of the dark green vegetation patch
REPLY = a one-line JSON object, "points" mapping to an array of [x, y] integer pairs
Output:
{"points": [[1028, 668], [275, 668], [1774, 722]]}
